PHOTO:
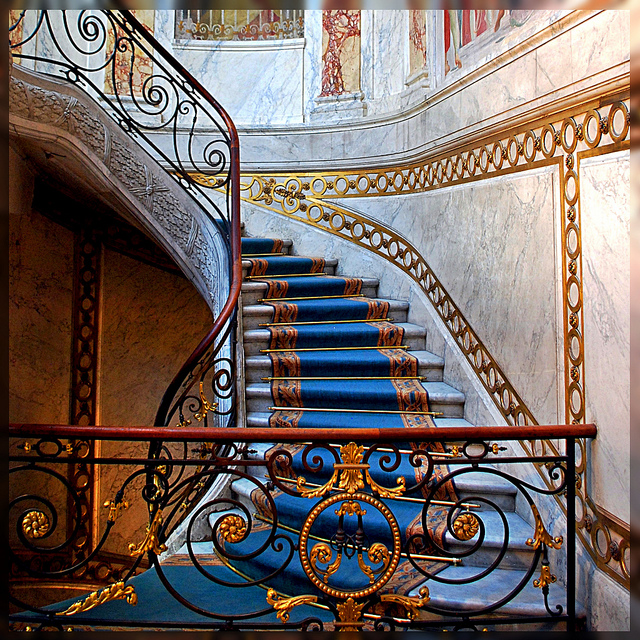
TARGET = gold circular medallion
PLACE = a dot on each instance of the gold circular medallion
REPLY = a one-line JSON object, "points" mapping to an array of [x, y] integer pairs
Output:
{"points": [[350, 504]]}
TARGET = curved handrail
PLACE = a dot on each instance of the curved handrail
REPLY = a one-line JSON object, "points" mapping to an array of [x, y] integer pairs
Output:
{"points": [[114, 59], [236, 260]]}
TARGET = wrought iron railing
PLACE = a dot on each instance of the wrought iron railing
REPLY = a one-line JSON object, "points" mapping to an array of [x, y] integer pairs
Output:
{"points": [[354, 484], [116, 61]]}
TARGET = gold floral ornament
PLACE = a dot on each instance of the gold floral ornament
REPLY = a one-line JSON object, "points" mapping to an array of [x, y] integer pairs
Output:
{"points": [[35, 524], [232, 528], [206, 405], [351, 467], [411, 604], [542, 536], [466, 526], [116, 591], [150, 542], [546, 578], [115, 509], [350, 612], [283, 606]]}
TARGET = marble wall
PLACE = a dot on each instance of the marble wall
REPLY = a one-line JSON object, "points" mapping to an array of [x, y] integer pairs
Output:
{"points": [[40, 303], [605, 212]]}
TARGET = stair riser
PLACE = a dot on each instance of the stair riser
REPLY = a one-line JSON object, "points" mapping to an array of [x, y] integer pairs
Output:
{"points": [[519, 559], [252, 297], [253, 321], [255, 373], [261, 403], [330, 270], [253, 345]]}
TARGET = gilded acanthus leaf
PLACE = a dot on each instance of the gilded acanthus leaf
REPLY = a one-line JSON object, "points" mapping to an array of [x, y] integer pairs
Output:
{"points": [[116, 591], [284, 605]]}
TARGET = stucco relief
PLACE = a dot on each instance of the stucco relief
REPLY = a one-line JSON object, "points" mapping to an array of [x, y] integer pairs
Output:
{"points": [[341, 52], [150, 188]]}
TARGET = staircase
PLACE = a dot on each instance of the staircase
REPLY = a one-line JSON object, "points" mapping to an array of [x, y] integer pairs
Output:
{"points": [[332, 328]]}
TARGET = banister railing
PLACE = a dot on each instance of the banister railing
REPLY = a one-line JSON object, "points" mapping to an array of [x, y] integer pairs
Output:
{"points": [[331, 499], [118, 63]]}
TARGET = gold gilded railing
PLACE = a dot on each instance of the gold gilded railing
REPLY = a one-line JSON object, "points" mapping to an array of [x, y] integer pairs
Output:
{"points": [[561, 140]]}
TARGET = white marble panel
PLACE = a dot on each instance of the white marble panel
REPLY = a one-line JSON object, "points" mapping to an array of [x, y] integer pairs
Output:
{"points": [[312, 70], [268, 82], [492, 245], [390, 36], [605, 211]]}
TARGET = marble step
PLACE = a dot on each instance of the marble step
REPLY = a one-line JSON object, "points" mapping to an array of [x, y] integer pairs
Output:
{"points": [[254, 315], [430, 366], [253, 291], [286, 247], [257, 339], [442, 398], [491, 589], [329, 266], [518, 555]]}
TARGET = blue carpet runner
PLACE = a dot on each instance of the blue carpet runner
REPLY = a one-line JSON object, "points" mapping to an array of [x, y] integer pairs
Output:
{"points": [[355, 360]]}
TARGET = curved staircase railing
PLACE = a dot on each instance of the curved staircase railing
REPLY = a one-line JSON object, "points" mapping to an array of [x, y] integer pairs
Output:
{"points": [[116, 61]]}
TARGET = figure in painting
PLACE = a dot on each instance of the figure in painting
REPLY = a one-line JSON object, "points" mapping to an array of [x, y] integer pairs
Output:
{"points": [[463, 26]]}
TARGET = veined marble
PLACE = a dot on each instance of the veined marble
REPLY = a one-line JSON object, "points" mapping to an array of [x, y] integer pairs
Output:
{"points": [[605, 217], [492, 245]]}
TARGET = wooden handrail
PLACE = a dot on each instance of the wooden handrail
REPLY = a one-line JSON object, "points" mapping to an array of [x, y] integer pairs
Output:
{"points": [[251, 434]]}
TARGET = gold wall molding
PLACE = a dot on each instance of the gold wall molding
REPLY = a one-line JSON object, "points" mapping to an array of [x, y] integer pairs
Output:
{"points": [[600, 126]]}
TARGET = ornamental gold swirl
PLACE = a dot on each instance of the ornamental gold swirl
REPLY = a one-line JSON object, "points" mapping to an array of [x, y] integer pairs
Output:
{"points": [[466, 526], [541, 535], [411, 604], [232, 528], [393, 555], [35, 524]]}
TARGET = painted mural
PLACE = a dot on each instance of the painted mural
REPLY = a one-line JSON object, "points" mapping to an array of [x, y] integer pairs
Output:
{"points": [[140, 70], [340, 52], [15, 36], [463, 26], [417, 40]]}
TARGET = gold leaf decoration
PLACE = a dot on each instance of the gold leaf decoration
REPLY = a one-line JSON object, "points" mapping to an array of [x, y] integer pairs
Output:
{"points": [[350, 612], [411, 604], [542, 536], [546, 578], [315, 492], [386, 492], [116, 591], [150, 542], [284, 605]]}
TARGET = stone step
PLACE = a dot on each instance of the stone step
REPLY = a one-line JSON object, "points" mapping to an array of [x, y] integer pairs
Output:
{"points": [[286, 246], [430, 366], [492, 588], [329, 266], [253, 291], [254, 315], [518, 556], [442, 398], [261, 420], [257, 339]]}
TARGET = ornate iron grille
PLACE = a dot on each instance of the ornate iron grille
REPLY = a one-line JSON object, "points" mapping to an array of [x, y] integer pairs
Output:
{"points": [[322, 545], [250, 24]]}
